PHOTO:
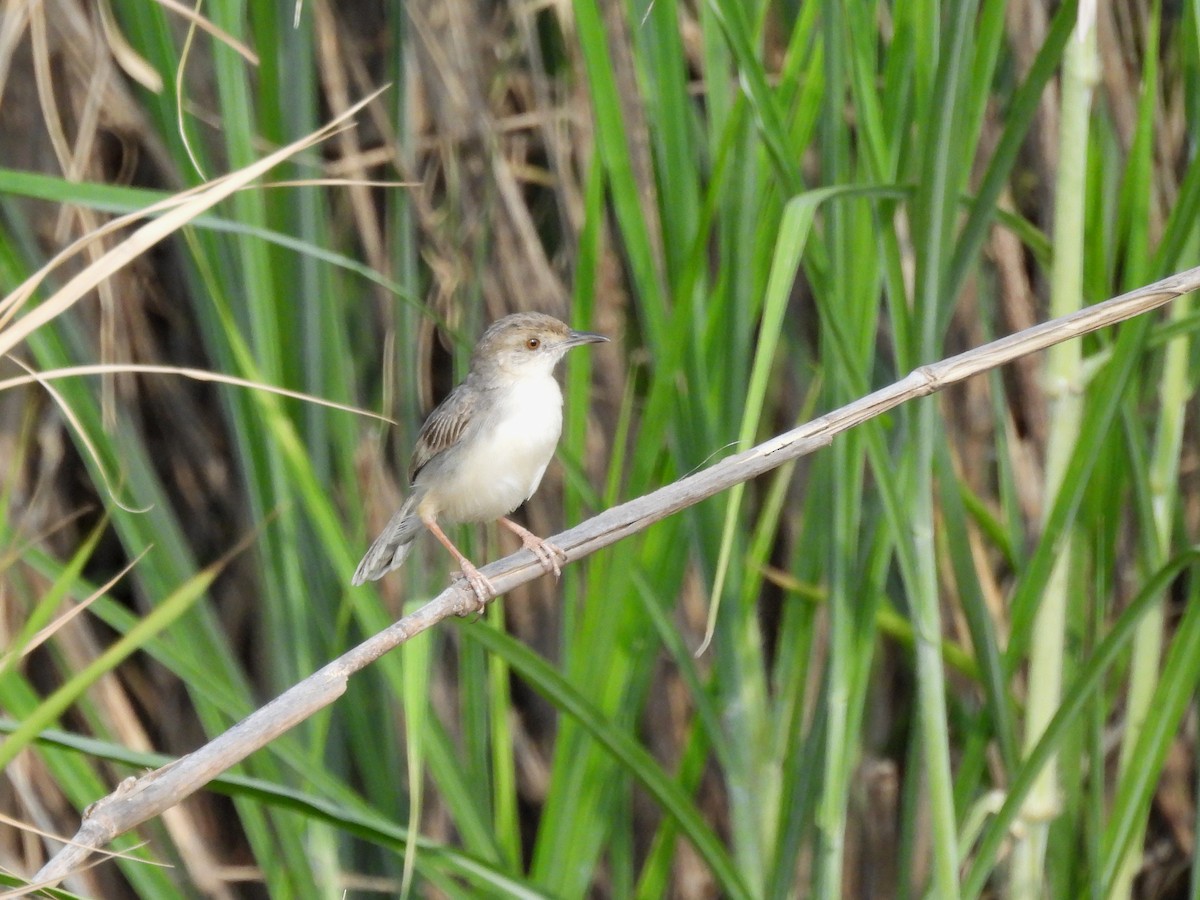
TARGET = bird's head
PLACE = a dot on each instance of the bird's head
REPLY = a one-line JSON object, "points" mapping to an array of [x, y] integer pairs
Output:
{"points": [[527, 344]]}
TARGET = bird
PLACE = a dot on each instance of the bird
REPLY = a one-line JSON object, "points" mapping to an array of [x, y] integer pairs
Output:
{"points": [[483, 450]]}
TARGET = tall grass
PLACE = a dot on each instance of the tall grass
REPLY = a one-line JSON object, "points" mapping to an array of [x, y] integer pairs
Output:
{"points": [[772, 208]]}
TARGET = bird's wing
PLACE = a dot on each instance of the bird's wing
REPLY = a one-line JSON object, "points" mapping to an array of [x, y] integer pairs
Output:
{"points": [[443, 429]]}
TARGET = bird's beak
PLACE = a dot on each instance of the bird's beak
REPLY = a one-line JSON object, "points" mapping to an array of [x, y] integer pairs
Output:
{"points": [[578, 338]]}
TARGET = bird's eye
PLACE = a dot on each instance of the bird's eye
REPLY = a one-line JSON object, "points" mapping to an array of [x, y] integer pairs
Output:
{"points": [[532, 344]]}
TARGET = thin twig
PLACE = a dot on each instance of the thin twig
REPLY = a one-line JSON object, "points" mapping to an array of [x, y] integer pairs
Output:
{"points": [[139, 799]]}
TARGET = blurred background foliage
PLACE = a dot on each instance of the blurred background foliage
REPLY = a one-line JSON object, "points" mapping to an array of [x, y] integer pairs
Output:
{"points": [[771, 208]]}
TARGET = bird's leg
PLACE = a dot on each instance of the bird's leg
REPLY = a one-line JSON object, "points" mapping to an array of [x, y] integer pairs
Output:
{"points": [[483, 588], [539, 547]]}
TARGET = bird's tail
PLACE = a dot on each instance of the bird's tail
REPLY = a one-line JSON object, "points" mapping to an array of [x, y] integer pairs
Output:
{"points": [[392, 546]]}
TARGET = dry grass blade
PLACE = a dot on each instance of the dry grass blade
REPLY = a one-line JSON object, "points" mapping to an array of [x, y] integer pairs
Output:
{"points": [[35, 886], [77, 426], [130, 61], [154, 231], [46, 633], [137, 800], [184, 372], [198, 21]]}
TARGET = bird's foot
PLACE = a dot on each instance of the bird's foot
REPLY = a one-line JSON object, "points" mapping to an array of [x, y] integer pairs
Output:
{"points": [[548, 554], [480, 584]]}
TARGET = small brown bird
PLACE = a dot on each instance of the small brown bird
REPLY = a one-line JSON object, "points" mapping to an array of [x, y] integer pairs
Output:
{"points": [[482, 452]]}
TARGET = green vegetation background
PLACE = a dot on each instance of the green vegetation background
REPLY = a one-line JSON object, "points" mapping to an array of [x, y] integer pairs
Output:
{"points": [[771, 208]]}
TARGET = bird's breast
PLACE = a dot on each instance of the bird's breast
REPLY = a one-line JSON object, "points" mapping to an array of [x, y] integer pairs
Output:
{"points": [[500, 464]]}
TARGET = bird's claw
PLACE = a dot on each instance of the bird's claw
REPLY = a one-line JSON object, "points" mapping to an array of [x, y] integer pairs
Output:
{"points": [[539, 547], [548, 554], [481, 586]]}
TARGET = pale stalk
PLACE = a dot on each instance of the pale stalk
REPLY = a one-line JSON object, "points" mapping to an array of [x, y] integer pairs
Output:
{"points": [[1148, 640], [1064, 383]]}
